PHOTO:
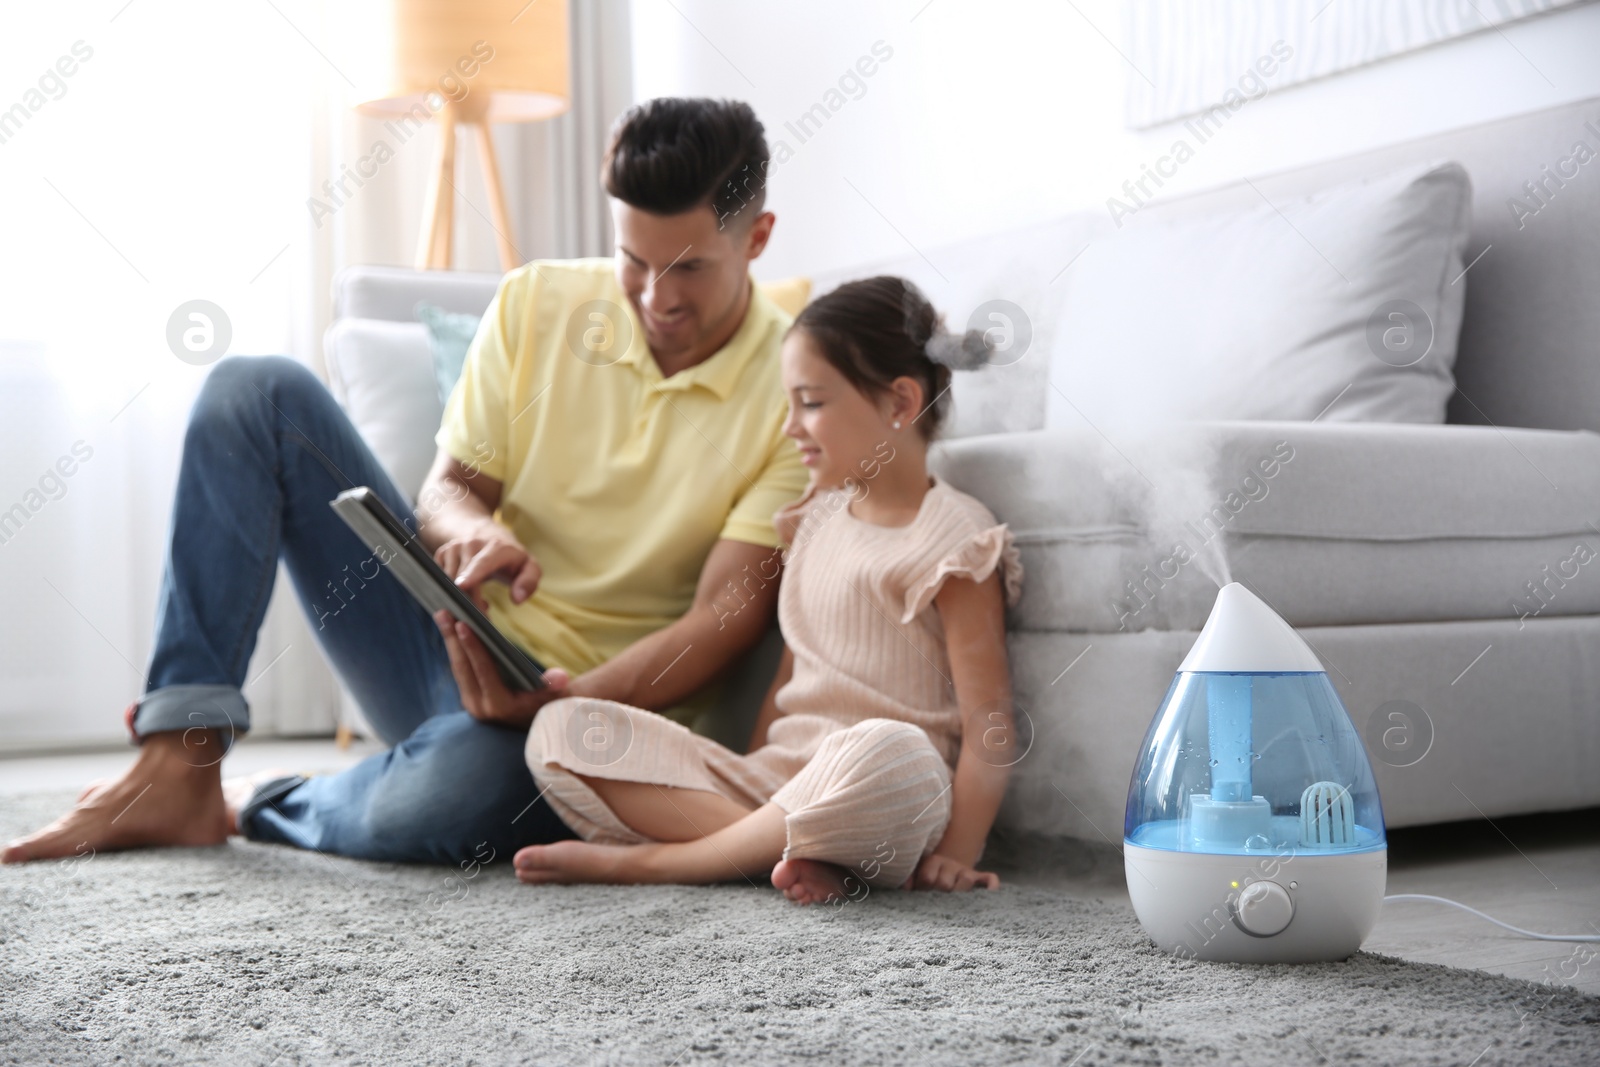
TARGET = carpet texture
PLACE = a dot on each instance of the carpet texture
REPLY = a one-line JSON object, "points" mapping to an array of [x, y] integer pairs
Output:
{"points": [[256, 954]]}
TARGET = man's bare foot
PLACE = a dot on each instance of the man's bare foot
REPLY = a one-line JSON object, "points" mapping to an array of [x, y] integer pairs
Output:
{"points": [[236, 792], [580, 861], [815, 882], [163, 799]]}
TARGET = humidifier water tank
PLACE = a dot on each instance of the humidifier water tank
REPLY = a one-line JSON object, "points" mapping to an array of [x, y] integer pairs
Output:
{"points": [[1254, 832]]}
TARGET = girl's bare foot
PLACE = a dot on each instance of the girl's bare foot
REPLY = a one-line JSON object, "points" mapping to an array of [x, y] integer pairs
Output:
{"points": [[170, 796], [580, 861], [814, 882], [747, 849]]}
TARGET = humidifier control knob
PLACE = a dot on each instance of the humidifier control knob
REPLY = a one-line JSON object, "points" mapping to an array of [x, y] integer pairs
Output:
{"points": [[1263, 909]]}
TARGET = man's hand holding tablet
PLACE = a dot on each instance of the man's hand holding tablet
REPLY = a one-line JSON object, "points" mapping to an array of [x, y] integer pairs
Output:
{"points": [[498, 681], [491, 551], [483, 694]]}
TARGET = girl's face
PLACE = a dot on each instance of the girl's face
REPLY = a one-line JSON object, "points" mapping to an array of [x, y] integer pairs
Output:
{"points": [[842, 433]]}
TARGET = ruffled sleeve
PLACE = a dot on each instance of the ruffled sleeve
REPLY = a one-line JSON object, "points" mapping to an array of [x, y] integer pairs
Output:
{"points": [[976, 558]]}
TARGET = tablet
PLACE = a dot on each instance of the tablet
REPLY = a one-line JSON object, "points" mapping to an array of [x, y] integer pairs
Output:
{"points": [[402, 552]]}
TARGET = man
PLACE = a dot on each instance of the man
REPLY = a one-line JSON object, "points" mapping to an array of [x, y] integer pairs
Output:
{"points": [[612, 457]]}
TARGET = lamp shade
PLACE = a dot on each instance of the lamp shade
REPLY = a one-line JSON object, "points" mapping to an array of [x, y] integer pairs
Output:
{"points": [[495, 60]]}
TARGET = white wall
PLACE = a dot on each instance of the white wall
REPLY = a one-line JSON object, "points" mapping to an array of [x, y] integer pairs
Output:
{"points": [[176, 161], [992, 116]]}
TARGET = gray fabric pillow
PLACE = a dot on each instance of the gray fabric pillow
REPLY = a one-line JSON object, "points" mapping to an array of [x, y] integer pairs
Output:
{"points": [[1346, 303]]}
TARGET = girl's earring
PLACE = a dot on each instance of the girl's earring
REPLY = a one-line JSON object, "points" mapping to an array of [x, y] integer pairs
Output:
{"points": [[897, 424]]}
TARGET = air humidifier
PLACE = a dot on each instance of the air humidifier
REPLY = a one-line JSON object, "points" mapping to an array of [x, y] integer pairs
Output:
{"points": [[1254, 833]]}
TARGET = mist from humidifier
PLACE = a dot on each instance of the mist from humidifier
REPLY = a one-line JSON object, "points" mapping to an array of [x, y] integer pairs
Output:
{"points": [[1184, 502], [1184, 508]]}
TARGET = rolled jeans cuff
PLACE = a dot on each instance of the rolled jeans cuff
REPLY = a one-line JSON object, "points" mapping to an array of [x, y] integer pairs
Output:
{"points": [[194, 707], [268, 792]]}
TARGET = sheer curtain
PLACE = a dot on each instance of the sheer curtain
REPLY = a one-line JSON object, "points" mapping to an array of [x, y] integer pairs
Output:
{"points": [[157, 153]]}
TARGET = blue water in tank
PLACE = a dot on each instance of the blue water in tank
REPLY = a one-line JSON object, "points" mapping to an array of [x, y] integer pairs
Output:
{"points": [[1239, 763]]}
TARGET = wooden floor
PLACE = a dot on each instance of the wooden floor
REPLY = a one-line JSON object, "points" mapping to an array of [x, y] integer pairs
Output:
{"points": [[1538, 872]]}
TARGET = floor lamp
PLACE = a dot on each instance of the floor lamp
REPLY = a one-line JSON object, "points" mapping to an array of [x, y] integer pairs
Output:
{"points": [[473, 63]]}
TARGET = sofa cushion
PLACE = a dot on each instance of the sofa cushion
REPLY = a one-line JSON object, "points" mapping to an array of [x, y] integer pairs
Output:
{"points": [[1332, 524], [382, 373], [1517, 734], [1346, 303]]}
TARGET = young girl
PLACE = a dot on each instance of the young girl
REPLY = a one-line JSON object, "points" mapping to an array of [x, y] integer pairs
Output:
{"points": [[882, 748]]}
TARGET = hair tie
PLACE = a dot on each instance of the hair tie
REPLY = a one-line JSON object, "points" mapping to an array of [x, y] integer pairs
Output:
{"points": [[959, 351]]}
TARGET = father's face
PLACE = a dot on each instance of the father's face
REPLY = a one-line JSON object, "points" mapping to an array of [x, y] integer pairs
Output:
{"points": [[684, 276]]}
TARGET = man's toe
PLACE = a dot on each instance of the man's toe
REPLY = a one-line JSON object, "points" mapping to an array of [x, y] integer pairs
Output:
{"points": [[49, 843]]}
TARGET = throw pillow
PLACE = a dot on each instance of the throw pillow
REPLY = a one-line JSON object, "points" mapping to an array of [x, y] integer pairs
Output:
{"points": [[1345, 303], [449, 335]]}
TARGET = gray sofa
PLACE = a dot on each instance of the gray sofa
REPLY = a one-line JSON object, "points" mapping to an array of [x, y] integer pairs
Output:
{"points": [[1400, 552]]}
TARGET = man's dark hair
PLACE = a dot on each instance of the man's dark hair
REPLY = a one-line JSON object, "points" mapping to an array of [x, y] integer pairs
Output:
{"points": [[673, 154]]}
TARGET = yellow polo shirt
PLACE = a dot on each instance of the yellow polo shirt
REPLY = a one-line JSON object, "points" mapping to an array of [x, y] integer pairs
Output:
{"points": [[616, 479]]}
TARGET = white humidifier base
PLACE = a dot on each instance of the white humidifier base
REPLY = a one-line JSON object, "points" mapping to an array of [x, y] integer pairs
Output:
{"points": [[1275, 907]]}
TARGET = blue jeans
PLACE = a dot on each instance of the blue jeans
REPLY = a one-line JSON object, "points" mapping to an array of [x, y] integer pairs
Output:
{"points": [[266, 448]]}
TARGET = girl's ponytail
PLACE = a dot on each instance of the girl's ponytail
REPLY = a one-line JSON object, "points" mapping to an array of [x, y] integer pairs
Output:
{"points": [[960, 351]]}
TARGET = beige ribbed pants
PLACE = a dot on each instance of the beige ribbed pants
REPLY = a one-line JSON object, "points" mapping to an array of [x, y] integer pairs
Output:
{"points": [[872, 796]]}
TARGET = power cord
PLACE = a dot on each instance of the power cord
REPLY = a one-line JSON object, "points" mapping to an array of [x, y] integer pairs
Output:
{"points": [[1490, 918]]}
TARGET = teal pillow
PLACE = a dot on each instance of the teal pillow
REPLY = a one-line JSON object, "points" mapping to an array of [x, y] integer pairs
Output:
{"points": [[450, 333]]}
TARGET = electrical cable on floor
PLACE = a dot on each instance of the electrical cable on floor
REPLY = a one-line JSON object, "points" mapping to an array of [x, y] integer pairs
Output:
{"points": [[1514, 929]]}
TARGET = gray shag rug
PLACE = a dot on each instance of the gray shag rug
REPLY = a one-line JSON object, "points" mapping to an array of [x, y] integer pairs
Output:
{"points": [[258, 954]]}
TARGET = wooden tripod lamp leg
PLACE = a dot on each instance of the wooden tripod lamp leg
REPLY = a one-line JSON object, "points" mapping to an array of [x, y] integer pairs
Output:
{"points": [[434, 242], [510, 258]]}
